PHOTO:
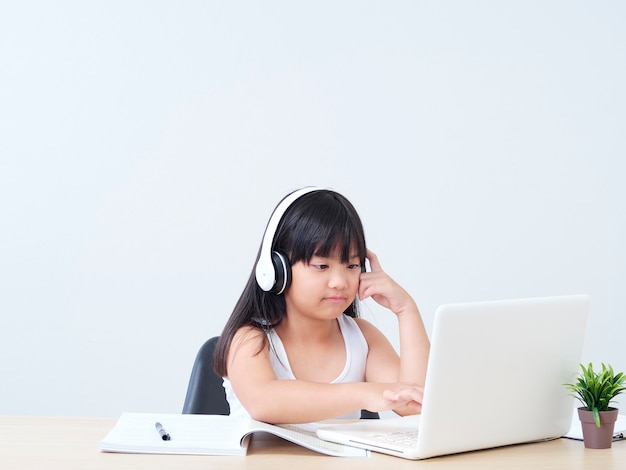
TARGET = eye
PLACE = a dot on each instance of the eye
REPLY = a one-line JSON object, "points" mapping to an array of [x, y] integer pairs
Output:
{"points": [[354, 266], [321, 267]]}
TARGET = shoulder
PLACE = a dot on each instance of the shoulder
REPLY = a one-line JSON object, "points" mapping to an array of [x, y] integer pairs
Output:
{"points": [[366, 327], [248, 341], [248, 333], [372, 335]]}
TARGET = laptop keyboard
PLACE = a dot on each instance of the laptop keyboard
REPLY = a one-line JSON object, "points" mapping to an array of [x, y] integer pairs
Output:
{"points": [[402, 438]]}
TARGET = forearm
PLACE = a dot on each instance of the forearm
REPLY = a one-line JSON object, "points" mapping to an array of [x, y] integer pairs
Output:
{"points": [[298, 401], [414, 346]]}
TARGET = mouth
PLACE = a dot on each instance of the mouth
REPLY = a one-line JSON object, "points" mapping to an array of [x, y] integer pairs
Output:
{"points": [[335, 299]]}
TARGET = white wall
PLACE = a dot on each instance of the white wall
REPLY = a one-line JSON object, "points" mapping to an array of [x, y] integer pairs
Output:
{"points": [[144, 144]]}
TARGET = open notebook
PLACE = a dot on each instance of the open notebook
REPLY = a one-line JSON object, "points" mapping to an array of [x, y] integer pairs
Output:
{"points": [[495, 377]]}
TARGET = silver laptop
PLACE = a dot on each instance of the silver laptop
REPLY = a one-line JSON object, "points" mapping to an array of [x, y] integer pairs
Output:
{"points": [[495, 377]]}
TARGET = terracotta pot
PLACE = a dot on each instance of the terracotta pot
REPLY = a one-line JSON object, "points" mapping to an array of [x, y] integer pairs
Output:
{"points": [[598, 437]]}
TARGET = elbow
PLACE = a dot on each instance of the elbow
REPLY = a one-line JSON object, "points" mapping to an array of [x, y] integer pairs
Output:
{"points": [[262, 411], [261, 415]]}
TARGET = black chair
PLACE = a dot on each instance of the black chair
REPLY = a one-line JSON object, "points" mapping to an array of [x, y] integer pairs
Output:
{"points": [[205, 392]]}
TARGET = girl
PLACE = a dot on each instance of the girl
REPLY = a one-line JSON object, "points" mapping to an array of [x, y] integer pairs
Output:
{"points": [[294, 349]]}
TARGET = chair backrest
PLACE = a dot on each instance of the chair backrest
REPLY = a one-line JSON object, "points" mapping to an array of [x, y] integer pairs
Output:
{"points": [[205, 393]]}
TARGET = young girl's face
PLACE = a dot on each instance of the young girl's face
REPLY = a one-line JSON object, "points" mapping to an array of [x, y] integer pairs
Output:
{"points": [[324, 287]]}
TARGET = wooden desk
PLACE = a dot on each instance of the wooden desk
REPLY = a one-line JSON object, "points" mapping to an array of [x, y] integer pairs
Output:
{"points": [[72, 443]]}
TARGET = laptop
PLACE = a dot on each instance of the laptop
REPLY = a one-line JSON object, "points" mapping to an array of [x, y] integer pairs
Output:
{"points": [[495, 377]]}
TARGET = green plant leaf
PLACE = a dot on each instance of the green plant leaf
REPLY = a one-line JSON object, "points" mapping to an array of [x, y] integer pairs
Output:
{"points": [[596, 416], [595, 390]]}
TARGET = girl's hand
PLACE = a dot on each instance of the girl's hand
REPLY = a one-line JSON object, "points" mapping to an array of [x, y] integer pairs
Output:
{"points": [[384, 290], [396, 397]]}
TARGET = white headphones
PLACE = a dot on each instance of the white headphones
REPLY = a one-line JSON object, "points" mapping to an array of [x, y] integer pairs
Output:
{"points": [[273, 273]]}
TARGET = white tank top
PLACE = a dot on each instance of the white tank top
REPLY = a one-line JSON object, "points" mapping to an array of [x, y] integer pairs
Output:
{"points": [[354, 370]]}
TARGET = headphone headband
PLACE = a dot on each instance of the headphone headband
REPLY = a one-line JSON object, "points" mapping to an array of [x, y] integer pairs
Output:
{"points": [[265, 271]]}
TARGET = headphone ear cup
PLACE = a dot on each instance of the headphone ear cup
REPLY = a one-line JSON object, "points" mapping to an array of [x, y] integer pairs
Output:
{"points": [[282, 269]]}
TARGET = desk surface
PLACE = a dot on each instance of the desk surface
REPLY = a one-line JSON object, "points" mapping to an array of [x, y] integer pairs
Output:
{"points": [[72, 443]]}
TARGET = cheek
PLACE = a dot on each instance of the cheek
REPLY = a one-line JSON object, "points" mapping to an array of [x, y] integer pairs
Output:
{"points": [[355, 283], [302, 282]]}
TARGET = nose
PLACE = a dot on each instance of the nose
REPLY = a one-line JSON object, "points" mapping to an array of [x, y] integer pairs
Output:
{"points": [[338, 279]]}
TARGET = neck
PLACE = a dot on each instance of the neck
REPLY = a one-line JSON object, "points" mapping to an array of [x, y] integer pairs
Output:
{"points": [[307, 330]]}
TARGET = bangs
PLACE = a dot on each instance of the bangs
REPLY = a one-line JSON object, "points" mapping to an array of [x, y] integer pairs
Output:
{"points": [[324, 224]]}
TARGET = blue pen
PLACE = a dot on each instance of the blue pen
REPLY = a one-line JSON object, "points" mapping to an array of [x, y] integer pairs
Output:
{"points": [[162, 432]]}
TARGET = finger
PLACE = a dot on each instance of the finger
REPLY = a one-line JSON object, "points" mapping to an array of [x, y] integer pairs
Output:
{"points": [[373, 259], [391, 396], [408, 397], [367, 287]]}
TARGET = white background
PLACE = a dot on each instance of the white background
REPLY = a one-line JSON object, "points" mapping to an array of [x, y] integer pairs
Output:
{"points": [[143, 146]]}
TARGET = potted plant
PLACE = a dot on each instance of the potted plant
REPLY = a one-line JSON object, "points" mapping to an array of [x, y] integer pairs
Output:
{"points": [[595, 390]]}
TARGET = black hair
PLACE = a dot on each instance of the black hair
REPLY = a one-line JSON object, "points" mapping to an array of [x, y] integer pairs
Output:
{"points": [[319, 223]]}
